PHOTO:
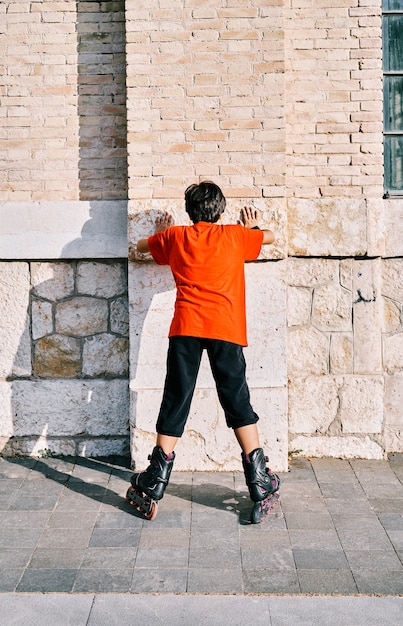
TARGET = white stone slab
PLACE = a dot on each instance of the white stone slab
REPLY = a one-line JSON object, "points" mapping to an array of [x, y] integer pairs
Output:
{"points": [[70, 230], [57, 408], [15, 346], [327, 227], [367, 316], [347, 447], [394, 227]]}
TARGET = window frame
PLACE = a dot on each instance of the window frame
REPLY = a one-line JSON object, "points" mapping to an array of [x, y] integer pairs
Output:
{"points": [[388, 189]]}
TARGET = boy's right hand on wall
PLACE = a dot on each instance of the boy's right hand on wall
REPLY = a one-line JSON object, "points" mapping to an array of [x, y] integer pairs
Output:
{"points": [[163, 222]]}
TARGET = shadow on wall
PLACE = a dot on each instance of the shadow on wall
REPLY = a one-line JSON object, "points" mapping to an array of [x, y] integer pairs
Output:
{"points": [[102, 100]]}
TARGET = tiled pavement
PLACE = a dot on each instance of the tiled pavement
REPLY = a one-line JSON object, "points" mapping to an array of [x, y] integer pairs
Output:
{"points": [[65, 527]]}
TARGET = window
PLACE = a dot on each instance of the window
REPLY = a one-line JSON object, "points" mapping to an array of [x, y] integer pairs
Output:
{"points": [[392, 36]]}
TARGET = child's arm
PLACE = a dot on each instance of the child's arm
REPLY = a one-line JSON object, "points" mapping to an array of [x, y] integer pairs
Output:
{"points": [[161, 223], [250, 219]]}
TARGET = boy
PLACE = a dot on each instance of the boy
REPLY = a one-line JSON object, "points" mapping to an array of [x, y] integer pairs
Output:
{"points": [[207, 262]]}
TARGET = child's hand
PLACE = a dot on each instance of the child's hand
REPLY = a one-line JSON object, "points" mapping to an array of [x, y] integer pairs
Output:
{"points": [[249, 217], [163, 222]]}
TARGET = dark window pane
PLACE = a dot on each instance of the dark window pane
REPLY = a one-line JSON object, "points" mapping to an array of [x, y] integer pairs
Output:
{"points": [[394, 163], [392, 5], [393, 103], [393, 43]]}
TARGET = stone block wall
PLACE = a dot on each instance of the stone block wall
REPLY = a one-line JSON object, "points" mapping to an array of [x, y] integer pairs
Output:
{"points": [[64, 364], [344, 355]]}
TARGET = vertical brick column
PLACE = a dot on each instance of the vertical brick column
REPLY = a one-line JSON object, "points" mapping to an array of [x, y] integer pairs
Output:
{"points": [[205, 100], [205, 89]]}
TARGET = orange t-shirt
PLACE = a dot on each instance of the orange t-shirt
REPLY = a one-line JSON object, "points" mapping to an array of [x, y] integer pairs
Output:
{"points": [[207, 262]]}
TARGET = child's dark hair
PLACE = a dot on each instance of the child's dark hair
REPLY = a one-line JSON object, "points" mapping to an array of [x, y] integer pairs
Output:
{"points": [[204, 202]]}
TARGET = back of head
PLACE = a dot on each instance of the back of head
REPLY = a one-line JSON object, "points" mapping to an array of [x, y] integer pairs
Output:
{"points": [[204, 202]]}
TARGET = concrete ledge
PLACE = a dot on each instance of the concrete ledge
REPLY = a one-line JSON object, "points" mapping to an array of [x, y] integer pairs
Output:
{"points": [[63, 230]]}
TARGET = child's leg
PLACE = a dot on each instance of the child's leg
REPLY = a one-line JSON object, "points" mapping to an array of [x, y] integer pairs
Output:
{"points": [[167, 443], [248, 438], [183, 362]]}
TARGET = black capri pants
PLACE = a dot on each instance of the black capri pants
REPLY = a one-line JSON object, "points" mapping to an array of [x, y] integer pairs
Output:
{"points": [[228, 366]]}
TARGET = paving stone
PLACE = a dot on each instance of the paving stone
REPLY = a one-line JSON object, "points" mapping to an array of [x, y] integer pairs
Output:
{"points": [[19, 537], [301, 504], [112, 537], [333, 490], [33, 503], [215, 580], [70, 501], [255, 536], [320, 559], [364, 539], [396, 538], [14, 558], [165, 537], [9, 578], [203, 536], [109, 558], [370, 581], [346, 476], [162, 558], [102, 581], [307, 521], [171, 519], [161, 580], [5, 501], [118, 519], [74, 519], [331, 465], [347, 521], [341, 505], [9, 485], [211, 558], [270, 581], [51, 580], [196, 609], [37, 609], [24, 519], [390, 491], [391, 521], [66, 558], [60, 538], [268, 557], [335, 611], [373, 559], [16, 468], [386, 505], [325, 581], [315, 540]]}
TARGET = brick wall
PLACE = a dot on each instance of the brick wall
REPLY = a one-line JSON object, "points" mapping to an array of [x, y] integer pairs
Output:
{"points": [[334, 99], [205, 91], [62, 89]]}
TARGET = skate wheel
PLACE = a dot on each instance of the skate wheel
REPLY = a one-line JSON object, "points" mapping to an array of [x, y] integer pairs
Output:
{"points": [[262, 509], [153, 512]]}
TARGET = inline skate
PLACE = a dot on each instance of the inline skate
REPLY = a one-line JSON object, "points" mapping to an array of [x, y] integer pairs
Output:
{"points": [[148, 487], [263, 484]]}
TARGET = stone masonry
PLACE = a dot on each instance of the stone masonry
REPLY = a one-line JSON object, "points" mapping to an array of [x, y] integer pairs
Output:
{"points": [[108, 111], [65, 386]]}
